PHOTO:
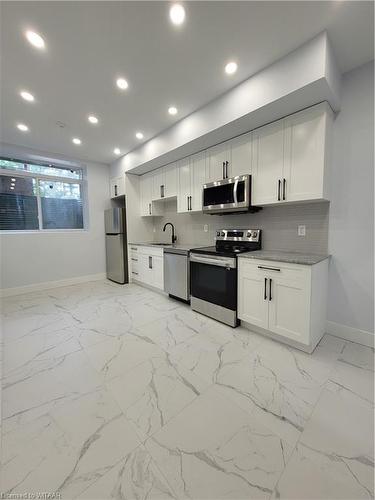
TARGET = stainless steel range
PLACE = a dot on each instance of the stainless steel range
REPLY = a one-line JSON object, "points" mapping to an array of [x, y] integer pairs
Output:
{"points": [[213, 273]]}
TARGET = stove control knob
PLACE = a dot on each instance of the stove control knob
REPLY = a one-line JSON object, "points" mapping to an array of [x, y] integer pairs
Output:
{"points": [[222, 233], [255, 234], [218, 233], [248, 234]]}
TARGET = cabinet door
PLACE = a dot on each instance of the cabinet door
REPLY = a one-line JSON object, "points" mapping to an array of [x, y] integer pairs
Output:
{"points": [[267, 163], [121, 185], [252, 300], [289, 309], [146, 192], [216, 157], [170, 178], [240, 157], [158, 181], [305, 155], [157, 272], [198, 178], [112, 189], [184, 185], [145, 275]]}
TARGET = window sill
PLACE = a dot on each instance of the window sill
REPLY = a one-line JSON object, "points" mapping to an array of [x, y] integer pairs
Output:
{"points": [[43, 231]]}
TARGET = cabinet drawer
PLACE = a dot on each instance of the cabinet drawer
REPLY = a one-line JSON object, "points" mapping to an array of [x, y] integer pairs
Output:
{"points": [[290, 272], [157, 252]]}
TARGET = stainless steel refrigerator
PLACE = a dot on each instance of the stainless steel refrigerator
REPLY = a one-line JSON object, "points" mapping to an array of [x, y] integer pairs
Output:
{"points": [[116, 245]]}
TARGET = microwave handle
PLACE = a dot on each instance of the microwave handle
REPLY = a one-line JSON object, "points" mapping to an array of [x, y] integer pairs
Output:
{"points": [[235, 187]]}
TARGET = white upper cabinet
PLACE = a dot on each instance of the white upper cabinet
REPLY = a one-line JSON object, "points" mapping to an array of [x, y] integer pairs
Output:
{"points": [[170, 173], [198, 178], [148, 208], [164, 184], [229, 159], [217, 158], [307, 140], [184, 185], [117, 186], [287, 159], [290, 158], [146, 194], [267, 163], [158, 184], [239, 162], [191, 177]]}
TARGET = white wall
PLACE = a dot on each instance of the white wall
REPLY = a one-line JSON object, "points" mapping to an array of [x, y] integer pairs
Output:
{"points": [[31, 258], [351, 225]]}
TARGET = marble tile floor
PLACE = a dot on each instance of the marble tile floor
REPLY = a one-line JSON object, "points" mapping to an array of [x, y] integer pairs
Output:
{"points": [[118, 392]]}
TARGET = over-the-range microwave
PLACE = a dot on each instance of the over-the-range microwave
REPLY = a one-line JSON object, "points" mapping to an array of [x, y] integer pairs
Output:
{"points": [[228, 196]]}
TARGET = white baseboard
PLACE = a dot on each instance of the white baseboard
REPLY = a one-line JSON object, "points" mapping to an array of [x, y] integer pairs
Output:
{"points": [[37, 287], [348, 333]]}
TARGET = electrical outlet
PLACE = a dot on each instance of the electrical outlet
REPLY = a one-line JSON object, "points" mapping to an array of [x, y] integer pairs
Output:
{"points": [[205, 228], [301, 230]]}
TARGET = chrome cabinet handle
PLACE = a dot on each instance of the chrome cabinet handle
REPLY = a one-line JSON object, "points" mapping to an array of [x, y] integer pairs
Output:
{"points": [[190, 203], [270, 290], [278, 190], [223, 169], [150, 262], [135, 260], [133, 272], [265, 289], [284, 189], [226, 169], [115, 189]]}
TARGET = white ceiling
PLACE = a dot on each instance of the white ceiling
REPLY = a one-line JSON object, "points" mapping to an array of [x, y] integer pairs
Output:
{"points": [[90, 44]]}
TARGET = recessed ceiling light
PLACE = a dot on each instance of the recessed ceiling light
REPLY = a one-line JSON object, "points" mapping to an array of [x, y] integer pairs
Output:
{"points": [[177, 14], [35, 39], [172, 110], [76, 141], [122, 83], [139, 135], [27, 96], [13, 179], [117, 151], [11, 187], [93, 119], [22, 127], [231, 68]]}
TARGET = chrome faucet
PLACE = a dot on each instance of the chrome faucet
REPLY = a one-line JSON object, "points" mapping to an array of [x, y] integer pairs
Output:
{"points": [[174, 237]]}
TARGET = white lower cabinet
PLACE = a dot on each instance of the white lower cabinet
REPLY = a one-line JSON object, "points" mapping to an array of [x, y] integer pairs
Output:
{"points": [[147, 265], [286, 300]]}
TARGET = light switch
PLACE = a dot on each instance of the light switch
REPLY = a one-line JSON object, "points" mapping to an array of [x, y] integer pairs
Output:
{"points": [[205, 228], [301, 230]]}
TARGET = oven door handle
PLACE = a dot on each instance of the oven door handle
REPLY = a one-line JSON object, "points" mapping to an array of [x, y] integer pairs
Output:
{"points": [[228, 263]]}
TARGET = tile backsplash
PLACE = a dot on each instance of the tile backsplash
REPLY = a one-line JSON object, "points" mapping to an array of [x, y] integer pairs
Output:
{"points": [[279, 226]]}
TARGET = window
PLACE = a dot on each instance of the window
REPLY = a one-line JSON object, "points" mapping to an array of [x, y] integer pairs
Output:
{"points": [[36, 196]]}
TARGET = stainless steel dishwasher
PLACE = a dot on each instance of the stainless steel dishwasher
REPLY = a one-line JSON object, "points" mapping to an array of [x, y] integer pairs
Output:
{"points": [[177, 273]]}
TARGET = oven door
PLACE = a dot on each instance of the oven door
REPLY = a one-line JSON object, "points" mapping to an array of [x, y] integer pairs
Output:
{"points": [[214, 279], [227, 195]]}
